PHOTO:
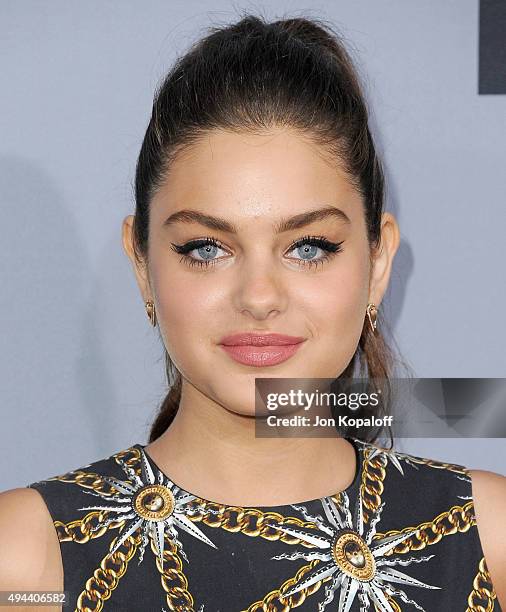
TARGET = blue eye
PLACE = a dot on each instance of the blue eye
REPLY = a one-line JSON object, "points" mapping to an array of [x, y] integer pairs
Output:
{"points": [[309, 246], [307, 251], [206, 249]]}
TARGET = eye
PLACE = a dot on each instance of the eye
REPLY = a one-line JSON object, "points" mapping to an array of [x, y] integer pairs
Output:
{"points": [[308, 248], [205, 249]]}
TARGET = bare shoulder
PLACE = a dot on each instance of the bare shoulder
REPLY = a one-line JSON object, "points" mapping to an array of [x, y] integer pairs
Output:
{"points": [[489, 496], [31, 557]]}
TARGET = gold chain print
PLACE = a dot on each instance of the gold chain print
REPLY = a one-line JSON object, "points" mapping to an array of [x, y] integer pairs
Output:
{"points": [[371, 482], [347, 558], [482, 597]]}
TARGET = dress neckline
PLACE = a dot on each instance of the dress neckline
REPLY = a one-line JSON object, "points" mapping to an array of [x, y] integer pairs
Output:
{"points": [[347, 490]]}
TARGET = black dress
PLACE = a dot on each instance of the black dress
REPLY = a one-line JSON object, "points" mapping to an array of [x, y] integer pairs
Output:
{"points": [[402, 536]]}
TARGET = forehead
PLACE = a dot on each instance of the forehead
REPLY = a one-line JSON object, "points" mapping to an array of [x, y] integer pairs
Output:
{"points": [[266, 175]]}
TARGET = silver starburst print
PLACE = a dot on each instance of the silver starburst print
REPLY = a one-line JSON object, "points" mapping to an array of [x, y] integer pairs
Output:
{"points": [[358, 566], [387, 454], [152, 503]]}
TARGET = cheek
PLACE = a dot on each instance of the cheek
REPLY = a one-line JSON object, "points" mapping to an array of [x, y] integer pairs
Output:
{"points": [[187, 306], [336, 301], [333, 307]]}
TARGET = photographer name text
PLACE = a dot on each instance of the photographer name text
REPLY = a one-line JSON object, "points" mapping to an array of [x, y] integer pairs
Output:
{"points": [[317, 421]]}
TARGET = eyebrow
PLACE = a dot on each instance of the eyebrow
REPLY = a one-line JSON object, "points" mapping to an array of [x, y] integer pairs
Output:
{"points": [[284, 225]]}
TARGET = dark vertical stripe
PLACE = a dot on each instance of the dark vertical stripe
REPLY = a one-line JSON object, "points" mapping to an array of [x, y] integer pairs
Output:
{"points": [[492, 60]]}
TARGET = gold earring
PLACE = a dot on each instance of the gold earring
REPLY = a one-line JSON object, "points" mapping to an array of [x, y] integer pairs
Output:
{"points": [[150, 309], [372, 314]]}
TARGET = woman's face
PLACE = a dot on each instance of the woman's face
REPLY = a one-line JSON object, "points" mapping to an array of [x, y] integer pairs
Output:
{"points": [[255, 278]]}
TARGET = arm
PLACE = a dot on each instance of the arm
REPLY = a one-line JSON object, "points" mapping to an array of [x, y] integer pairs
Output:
{"points": [[30, 558], [489, 494]]}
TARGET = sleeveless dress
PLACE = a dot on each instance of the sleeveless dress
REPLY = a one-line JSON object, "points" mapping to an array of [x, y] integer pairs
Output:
{"points": [[402, 536]]}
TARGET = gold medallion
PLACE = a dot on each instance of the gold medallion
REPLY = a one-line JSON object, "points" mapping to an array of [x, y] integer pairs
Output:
{"points": [[154, 502], [353, 556]]}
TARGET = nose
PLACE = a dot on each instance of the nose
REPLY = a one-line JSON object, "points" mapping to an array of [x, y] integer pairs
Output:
{"points": [[261, 291]]}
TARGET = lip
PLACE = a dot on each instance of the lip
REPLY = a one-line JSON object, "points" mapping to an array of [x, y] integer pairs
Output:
{"points": [[261, 350], [262, 339]]}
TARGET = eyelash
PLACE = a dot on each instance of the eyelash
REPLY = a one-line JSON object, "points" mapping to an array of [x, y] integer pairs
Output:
{"points": [[331, 249]]}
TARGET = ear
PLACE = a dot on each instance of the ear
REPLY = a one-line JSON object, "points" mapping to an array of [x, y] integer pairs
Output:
{"points": [[383, 257], [139, 267]]}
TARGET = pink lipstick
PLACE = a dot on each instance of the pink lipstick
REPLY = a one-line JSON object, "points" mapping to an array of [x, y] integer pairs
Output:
{"points": [[261, 349]]}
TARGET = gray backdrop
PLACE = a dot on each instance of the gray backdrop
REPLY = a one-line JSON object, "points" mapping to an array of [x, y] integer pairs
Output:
{"points": [[81, 370]]}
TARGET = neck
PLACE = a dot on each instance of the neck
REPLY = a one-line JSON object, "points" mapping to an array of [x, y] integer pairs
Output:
{"points": [[213, 453]]}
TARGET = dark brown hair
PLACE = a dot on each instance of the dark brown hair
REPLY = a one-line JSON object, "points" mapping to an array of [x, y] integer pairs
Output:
{"points": [[250, 76]]}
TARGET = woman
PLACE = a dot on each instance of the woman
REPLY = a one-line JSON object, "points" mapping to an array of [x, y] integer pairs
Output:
{"points": [[261, 249]]}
